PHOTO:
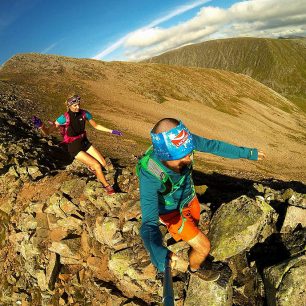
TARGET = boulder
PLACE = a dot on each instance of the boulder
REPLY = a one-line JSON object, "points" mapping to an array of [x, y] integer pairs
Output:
{"points": [[34, 172], [74, 187], [70, 223], [107, 231], [41, 280], [294, 215], [239, 225], [99, 266], [287, 195], [294, 198], [218, 293], [7, 205], [130, 211], [54, 205], [68, 249], [95, 194], [27, 222], [130, 226], [4, 220], [52, 270], [130, 274], [285, 283], [58, 234]]}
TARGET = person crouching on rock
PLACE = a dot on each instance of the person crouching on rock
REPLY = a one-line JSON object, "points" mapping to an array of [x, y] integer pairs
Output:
{"points": [[72, 126], [167, 193]]}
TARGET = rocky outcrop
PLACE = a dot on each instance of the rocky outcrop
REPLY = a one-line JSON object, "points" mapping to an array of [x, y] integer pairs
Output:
{"points": [[219, 293], [285, 282], [239, 225], [65, 241]]}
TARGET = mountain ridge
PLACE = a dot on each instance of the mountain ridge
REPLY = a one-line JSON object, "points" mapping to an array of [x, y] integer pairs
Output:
{"points": [[277, 63]]}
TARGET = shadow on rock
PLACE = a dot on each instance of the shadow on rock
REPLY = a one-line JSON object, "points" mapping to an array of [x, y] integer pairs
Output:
{"points": [[222, 188]]}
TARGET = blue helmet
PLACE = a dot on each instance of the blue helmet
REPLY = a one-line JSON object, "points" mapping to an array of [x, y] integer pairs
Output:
{"points": [[173, 144]]}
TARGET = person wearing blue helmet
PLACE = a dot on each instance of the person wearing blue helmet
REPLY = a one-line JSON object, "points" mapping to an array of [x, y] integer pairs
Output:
{"points": [[167, 192]]}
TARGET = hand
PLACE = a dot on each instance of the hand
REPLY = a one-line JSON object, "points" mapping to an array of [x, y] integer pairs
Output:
{"points": [[261, 155], [37, 122], [118, 133], [178, 263]]}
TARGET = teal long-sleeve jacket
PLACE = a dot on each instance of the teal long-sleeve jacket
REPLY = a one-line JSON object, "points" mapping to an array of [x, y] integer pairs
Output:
{"points": [[153, 204]]}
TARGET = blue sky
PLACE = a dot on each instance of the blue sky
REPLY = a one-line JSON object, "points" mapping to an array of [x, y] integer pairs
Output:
{"points": [[135, 29]]}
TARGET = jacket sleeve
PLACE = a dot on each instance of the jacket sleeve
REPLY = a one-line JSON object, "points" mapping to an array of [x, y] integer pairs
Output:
{"points": [[88, 115], [149, 231], [61, 120], [223, 149]]}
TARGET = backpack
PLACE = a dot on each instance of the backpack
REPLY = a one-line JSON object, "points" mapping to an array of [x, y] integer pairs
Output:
{"points": [[157, 169], [64, 129]]}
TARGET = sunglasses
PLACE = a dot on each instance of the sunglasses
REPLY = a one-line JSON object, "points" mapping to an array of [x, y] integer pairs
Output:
{"points": [[73, 100]]}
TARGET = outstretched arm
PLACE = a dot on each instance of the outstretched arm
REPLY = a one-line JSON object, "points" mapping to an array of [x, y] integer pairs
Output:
{"points": [[224, 149], [102, 128], [45, 130]]}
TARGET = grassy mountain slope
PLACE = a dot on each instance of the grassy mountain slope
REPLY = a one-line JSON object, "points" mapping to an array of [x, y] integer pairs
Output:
{"points": [[277, 63], [133, 96]]}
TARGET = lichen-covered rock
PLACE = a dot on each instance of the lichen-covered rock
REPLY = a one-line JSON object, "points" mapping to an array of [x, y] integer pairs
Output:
{"points": [[294, 215], [294, 198], [95, 194], [70, 223], [74, 187], [107, 231], [34, 172], [130, 274], [69, 248], [218, 293], [4, 220], [240, 224], [286, 195], [52, 270], [285, 283]]}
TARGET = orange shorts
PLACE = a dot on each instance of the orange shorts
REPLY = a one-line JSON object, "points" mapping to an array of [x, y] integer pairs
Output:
{"points": [[173, 221]]}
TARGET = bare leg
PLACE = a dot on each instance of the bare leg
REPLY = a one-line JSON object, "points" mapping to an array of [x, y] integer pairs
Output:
{"points": [[94, 164], [200, 247], [97, 155]]}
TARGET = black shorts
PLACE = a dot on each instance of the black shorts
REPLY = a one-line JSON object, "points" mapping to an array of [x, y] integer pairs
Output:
{"points": [[81, 144]]}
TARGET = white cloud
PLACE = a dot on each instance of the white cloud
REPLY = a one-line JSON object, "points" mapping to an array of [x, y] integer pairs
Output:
{"points": [[49, 48], [178, 11], [111, 48], [258, 18]]}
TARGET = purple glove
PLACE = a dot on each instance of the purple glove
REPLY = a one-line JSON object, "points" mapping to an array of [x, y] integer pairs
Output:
{"points": [[37, 122], [118, 133]]}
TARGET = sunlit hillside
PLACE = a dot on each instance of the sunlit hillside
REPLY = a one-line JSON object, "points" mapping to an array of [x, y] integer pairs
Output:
{"points": [[133, 96], [277, 63]]}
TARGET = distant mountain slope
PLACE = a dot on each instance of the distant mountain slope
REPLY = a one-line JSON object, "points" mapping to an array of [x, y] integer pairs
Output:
{"points": [[277, 63], [133, 96]]}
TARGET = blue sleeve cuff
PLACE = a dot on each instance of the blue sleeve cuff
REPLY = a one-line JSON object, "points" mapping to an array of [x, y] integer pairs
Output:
{"points": [[253, 154], [61, 120], [88, 115]]}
